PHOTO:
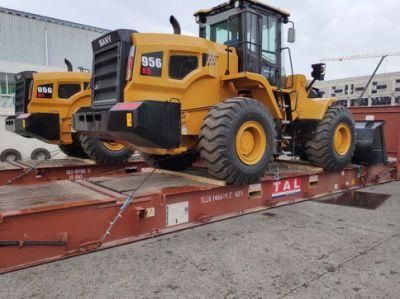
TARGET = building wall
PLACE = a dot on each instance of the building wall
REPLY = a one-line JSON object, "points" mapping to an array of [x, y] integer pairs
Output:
{"points": [[384, 90], [37, 43]]}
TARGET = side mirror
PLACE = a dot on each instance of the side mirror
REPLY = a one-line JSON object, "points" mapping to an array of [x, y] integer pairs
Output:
{"points": [[291, 35], [319, 71]]}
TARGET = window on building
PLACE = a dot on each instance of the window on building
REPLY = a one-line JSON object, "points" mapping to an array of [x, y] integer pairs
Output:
{"points": [[397, 89], [7, 90], [374, 91], [398, 81], [65, 91], [374, 83], [397, 100], [381, 86], [182, 65], [359, 88], [361, 102], [338, 90]]}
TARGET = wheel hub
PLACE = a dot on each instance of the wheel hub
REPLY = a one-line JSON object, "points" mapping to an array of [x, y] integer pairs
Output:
{"points": [[342, 139], [113, 146], [251, 143]]}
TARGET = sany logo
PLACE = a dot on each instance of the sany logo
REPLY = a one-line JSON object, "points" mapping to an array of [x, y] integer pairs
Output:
{"points": [[286, 187], [105, 41]]}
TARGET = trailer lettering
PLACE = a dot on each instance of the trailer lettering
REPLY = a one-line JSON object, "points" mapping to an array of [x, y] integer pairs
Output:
{"points": [[221, 196], [77, 174], [286, 187]]}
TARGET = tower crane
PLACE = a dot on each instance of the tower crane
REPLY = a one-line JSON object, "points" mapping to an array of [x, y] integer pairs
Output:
{"points": [[382, 57]]}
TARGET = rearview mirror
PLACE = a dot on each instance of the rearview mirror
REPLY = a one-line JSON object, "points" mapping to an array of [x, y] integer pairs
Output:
{"points": [[291, 35]]}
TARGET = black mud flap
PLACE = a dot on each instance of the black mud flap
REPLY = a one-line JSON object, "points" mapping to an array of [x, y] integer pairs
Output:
{"points": [[150, 124], [370, 143], [42, 126]]}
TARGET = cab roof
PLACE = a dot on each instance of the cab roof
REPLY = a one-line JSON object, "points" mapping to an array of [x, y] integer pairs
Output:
{"points": [[230, 3], [70, 76]]}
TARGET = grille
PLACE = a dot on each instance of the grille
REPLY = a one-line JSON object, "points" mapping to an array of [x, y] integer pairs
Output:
{"points": [[20, 98], [23, 83], [106, 76]]}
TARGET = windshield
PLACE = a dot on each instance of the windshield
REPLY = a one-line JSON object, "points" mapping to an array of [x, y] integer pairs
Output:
{"points": [[220, 33]]}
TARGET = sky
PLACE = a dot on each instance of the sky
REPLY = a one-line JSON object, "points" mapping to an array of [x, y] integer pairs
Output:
{"points": [[324, 28]]}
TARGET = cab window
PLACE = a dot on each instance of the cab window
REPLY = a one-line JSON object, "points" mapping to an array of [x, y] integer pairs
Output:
{"points": [[65, 91], [221, 34], [269, 39]]}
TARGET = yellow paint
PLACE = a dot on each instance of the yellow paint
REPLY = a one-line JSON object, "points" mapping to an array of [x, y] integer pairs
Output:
{"points": [[342, 139], [251, 143], [129, 120], [64, 107], [24, 123]]}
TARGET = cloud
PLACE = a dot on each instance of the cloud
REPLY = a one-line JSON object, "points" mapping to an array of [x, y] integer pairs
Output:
{"points": [[324, 28]]}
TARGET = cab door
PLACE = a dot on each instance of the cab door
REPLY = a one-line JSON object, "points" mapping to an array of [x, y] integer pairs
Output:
{"points": [[270, 60]]}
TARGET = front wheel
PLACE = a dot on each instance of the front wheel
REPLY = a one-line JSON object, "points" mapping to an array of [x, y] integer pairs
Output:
{"points": [[332, 146], [237, 141]]}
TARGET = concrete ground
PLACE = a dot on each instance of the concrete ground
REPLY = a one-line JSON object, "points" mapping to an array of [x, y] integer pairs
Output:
{"points": [[310, 249]]}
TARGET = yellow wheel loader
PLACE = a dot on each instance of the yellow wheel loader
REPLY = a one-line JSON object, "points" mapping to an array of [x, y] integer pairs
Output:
{"points": [[44, 104], [223, 96]]}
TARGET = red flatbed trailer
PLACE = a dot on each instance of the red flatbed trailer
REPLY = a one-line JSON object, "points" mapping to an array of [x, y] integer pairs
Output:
{"points": [[51, 214], [49, 221]]}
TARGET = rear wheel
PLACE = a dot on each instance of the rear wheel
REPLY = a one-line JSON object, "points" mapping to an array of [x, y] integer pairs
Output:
{"points": [[237, 141], [105, 152], [333, 144], [169, 162]]}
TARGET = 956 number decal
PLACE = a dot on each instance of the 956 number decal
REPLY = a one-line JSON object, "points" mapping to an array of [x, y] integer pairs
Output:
{"points": [[151, 64], [45, 91]]}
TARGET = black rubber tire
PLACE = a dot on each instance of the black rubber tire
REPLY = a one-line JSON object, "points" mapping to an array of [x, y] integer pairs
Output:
{"points": [[10, 152], [175, 163], [95, 150], [320, 149], [40, 151], [73, 150], [218, 138]]}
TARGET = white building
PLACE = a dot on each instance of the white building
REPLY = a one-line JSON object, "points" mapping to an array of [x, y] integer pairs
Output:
{"points": [[30, 42], [384, 90]]}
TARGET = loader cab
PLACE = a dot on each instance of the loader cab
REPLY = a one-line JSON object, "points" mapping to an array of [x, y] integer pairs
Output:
{"points": [[254, 29]]}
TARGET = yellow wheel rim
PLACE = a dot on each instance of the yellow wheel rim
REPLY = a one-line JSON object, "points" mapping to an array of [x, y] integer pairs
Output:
{"points": [[342, 139], [113, 146], [251, 143]]}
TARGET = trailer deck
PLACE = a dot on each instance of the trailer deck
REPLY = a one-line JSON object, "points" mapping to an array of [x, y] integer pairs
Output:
{"points": [[48, 221], [27, 172]]}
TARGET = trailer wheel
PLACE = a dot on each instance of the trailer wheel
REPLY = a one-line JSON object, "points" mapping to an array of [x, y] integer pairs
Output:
{"points": [[169, 162], [105, 152], [40, 154], [332, 146], [10, 155], [237, 141], [73, 150]]}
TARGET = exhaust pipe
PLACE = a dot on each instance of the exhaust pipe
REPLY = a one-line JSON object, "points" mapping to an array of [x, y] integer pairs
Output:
{"points": [[69, 65], [175, 24]]}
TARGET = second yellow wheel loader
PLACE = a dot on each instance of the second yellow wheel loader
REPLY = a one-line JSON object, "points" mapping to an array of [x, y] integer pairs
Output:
{"points": [[223, 96], [44, 104]]}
